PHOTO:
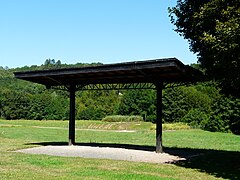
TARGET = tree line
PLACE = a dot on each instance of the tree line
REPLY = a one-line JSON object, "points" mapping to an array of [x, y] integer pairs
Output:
{"points": [[200, 105]]}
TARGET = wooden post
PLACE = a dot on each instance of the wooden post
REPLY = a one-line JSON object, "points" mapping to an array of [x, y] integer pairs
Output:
{"points": [[71, 139], [159, 148]]}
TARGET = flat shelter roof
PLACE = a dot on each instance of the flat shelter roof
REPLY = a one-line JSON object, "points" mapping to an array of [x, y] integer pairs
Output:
{"points": [[149, 71]]}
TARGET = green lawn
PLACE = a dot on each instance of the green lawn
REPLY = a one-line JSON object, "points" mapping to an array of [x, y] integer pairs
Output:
{"points": [[220, 158]]}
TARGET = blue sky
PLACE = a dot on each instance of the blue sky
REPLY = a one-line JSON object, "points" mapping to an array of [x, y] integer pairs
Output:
{"points": [[107, 31]]}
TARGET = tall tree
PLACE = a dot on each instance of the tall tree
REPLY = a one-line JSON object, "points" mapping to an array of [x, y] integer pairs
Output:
{"points": [[212, 28], [138, 102]]}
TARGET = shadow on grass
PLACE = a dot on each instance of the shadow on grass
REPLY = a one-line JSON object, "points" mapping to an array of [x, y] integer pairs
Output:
{"points": [[223, 164]]}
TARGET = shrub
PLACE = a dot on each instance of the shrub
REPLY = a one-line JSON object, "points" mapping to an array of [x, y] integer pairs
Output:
{"points": [[214, 123], [194, 118], [179, 101], [176, 126], [120, 118], [225, 116], [138, 102], [172, 126]]}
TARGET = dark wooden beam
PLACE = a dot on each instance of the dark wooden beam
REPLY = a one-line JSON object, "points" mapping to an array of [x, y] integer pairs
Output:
{"points": [[166, 70], [159, 148], [71, 139]]}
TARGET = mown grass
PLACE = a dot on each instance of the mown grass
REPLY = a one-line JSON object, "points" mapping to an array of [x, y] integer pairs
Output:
{"points": [[220, 159], [91, 124]]}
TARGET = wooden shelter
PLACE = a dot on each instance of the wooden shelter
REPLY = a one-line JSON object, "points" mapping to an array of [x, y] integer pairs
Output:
{"points": [[150, 74]]}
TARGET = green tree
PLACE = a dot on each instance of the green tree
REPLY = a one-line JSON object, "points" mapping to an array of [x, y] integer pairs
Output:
{"points": [[47, 105], [95, 104], [14, 105], [181, 103], [225, 115], [213, 29], [138, 102]]}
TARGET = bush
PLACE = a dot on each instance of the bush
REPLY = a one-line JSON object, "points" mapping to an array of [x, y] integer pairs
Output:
{"points": [[225, 116], [178, 102], [120, 118], [214, 123], [138, 102], [172, 126], [195, 117]]}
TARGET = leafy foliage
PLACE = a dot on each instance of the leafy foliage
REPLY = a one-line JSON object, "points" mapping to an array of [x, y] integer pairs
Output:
{"points": [[200, 105], [138, 102], [225, 116], [179, 101], [213, 31], [96, 104]]}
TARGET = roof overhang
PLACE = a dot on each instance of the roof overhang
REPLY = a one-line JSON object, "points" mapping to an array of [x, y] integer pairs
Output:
{"points": [[150, 71]]}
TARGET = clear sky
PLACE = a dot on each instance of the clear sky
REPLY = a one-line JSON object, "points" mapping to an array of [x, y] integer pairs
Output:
{"points": [[107, 31]]}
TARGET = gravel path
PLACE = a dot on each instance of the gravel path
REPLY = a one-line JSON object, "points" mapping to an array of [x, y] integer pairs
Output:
{"points": [[104, 153]]}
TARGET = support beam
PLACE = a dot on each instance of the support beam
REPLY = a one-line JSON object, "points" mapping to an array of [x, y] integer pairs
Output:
{"points": [[159, 148], [71, 139]]}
